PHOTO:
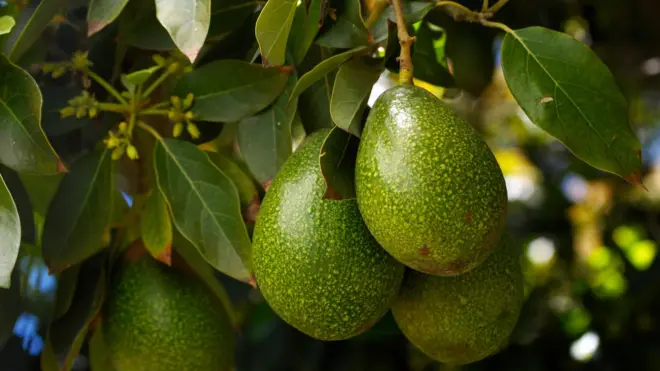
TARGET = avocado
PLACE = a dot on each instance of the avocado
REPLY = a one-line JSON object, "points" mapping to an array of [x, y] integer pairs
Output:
{"points": [[158, 318], [314, 259], [462, 319], [428, 186]]}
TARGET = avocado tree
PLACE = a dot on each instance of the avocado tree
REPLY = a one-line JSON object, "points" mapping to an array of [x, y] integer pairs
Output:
{"points": [[138, 140]]}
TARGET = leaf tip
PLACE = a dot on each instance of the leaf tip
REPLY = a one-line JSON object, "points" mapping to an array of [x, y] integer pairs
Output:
{"points": [[94, 27], [252, 210], [61, 168], [635, 178], [286, 69], [252, 281], [165, 256], [267, 184]]}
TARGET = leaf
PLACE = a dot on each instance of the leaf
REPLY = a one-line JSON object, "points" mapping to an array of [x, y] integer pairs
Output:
{"points": [[229, 90], [30, 26], [101, 13], [99, 357], [349, 31], [139, 77], [156, 225], [314, 106], [80, 212], [228, 15], [304, 30], [139, 27], [67, 282], [67, 334], [204, 205], [10, 230], [23, 144], [272, 29], [265, 139], [206, 273], [247, 191], [6, 24], [187, 22], [337, 161], [568, 91], [429, 57], [23, 204], [323, 69], [414, 11], [353, 84]]}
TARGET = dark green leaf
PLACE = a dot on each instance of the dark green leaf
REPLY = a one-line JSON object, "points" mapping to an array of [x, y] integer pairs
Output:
{"points": [[247, 191], [314, 106], [80, 212], [353, 84], [228, 15], [323, 69], [304, 30], [101, 13], [156, 225], [23, 204], [56, 97], [349, 31], [265, 139], [23, 145], [67, 334], [30, 26], [139, 27], [206, 273], [229, 90], [187, 22], [98, 353], [67, 282], [41, 189], [429, 56], [414, 11], [272, 29], [204, 205], [6, 24], [337, 161], [569, 92], [10, 230]]}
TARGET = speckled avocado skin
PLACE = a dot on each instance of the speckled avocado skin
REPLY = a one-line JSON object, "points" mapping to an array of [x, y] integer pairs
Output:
{"points": [[428, 186], [315, 261], [463, 319], [160, 319]]}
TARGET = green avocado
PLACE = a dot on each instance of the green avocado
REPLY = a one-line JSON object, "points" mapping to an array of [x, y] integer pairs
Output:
{"points": [[156, 318], [428, 186], [315, 261], [462, 319]]}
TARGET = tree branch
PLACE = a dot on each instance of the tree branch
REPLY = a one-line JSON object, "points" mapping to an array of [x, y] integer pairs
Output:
{"points": [[406, 41]]}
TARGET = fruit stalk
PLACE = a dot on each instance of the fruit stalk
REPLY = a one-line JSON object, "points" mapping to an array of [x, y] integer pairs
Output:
{"points": [[406, 41]]}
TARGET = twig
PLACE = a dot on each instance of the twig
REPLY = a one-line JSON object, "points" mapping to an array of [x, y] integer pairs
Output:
{"points": [[497, 6], [484, 7], [376, 12], [406, 41]]}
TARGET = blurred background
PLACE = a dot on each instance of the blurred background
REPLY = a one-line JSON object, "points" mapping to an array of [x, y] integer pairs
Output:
{"points": [[589, 239]]}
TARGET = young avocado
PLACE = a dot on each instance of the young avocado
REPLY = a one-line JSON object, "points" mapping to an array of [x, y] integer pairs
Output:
{"points": [[462, 319], [314, 259], [156, 318], [428, 186]]}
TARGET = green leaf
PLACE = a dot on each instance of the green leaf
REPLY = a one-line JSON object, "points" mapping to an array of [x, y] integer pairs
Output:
{"points": [[139, 77], [99, 356], [156, 225], [349, 31], [247, 191], [228, 15], [23, 204], [229, 90], [265, 139], [6, 24], [414, 11], [204, 205], [568, 91], [272, 29], [314, 106], [337, 161], [23, 144], [67, 334], [187, 22], [353, 84], [206, 273], [304, 30], [323, 69], [139, 27], [80, 212], [101, 13], [429, 56], [67, 282], [30, 26]]}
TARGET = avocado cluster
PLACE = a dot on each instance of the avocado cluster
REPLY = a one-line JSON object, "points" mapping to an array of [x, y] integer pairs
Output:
{"points": [[431, 203]]}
